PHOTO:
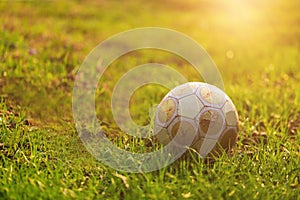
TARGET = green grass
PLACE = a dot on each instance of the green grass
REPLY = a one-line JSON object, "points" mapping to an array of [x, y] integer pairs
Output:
{"points": [[42, 45]]}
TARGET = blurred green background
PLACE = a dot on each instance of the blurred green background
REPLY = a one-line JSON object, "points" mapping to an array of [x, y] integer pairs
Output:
{"points": [[44, 43]]}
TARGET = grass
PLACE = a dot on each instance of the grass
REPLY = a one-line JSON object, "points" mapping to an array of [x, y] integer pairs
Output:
{"points": [[42, 45]]}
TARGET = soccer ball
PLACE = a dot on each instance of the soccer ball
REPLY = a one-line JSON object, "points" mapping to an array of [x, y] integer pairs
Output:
{"points": [[197, 115]]}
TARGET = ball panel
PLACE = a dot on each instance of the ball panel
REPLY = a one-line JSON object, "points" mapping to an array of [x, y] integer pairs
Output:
{"points": [[183, 90], [166, 111], [182, 131], [211, 123], [174, 129], [230, 113], [228, 138], [163, 136], [225, 142], [211, 96], [197, 144], [207, 146], [189, 106]]}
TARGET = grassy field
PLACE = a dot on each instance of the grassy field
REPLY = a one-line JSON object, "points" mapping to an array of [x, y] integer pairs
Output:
{"points": [[255, 45]]}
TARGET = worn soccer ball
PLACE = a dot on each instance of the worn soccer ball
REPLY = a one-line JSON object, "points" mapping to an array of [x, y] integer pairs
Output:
{"points": [[199, 116]]}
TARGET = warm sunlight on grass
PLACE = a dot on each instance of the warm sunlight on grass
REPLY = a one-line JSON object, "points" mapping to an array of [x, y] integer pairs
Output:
{"points": [[254, 43]]}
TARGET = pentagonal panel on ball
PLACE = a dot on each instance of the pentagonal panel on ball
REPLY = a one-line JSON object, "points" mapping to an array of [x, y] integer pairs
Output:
{"points": [[166, 112], [225, 142], [211, 123], [189, 106], [162, 134], [183, 90], [230, 113], [183, 131], [197, 144], [211, 96]]}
